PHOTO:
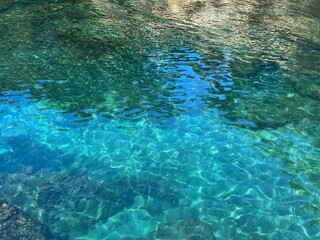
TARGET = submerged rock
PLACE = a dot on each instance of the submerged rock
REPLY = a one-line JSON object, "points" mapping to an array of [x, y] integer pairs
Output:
{"points": [[190, 229], [14, 224], [71, 204]]}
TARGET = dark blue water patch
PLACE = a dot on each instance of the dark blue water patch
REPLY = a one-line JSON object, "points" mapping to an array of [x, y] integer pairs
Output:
{"points": [[24, 153]]}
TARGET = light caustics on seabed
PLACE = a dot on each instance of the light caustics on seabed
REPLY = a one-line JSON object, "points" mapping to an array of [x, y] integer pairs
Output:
{"points": [[159, 119]]}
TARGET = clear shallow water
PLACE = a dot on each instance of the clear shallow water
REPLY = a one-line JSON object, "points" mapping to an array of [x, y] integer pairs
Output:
{"points": [[162, 119]]}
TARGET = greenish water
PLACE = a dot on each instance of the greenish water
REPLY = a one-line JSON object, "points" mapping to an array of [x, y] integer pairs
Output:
{"points": [[162, 119]]}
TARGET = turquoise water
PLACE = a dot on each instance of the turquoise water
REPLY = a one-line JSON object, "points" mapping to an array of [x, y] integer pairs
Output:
{"points": [[162, 119]]}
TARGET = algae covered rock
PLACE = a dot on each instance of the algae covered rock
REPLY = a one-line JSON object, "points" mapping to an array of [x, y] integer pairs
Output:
{"points": [[14, 224]]}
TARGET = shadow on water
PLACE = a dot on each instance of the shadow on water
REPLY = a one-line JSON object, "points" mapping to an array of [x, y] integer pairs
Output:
{"points": [[110, 62], [98, 59]]}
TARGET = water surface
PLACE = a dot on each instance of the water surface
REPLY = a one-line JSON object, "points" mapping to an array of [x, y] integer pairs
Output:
{"points": [[162, 119]]}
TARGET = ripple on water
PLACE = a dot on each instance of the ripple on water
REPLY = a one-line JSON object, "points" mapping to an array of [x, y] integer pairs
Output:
{"points": [[161, 120]]}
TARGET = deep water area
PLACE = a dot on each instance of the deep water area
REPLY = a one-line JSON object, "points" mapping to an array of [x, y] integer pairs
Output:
{"points": [[160, 119]]}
